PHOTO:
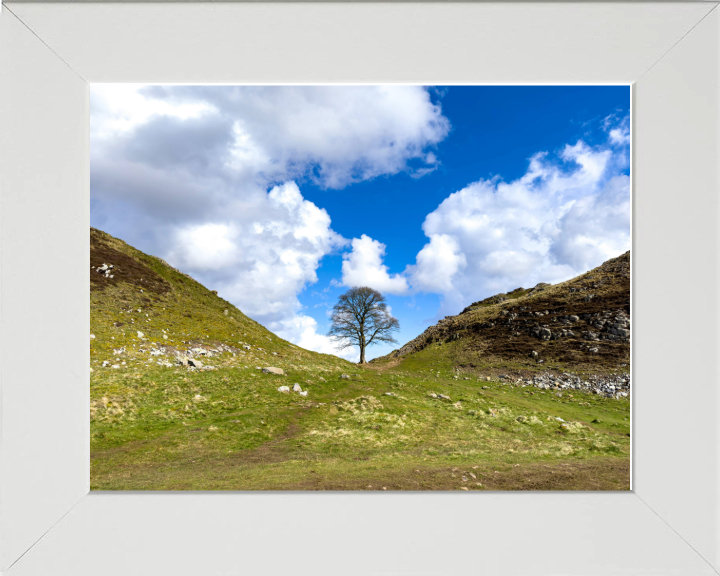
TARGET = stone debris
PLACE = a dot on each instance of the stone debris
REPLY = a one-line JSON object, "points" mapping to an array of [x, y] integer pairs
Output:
{"points": [[614, 386], [297, 388], [284, 389], [106, 270]]}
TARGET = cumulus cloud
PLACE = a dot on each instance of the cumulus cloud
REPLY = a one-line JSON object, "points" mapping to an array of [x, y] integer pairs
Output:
{"points": [[207, 177], [302, 330], [568, 213], [363, 266]]}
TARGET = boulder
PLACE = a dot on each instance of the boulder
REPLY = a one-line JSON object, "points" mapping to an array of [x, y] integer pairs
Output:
{"points": [[195, 362], [533, 354], [140, 334], [283, 389], [297, 388], [271, 370]]}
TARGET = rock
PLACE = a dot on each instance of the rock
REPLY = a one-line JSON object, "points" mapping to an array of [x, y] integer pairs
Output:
{"points": [[116, 366], [432, 394], [521, 418], [303, 393], [272, 370], [486, 387], [105, 363], [593, 350], [344, 376], [573, 318], [140, 334], [297, 388], [389, 394], [91, 370], [284, 389], [165, 336], [533, 354], [194, 362], [443, 397], [472, 413], [182, 361], [225, 312], [487, 378], [463, 488], [92, 336]]}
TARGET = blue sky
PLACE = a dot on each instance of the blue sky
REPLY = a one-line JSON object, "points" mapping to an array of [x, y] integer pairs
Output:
{"points": [[282, 197]]}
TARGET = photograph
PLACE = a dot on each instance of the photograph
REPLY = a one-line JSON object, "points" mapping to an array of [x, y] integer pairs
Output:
{"points": [[354, 287]]}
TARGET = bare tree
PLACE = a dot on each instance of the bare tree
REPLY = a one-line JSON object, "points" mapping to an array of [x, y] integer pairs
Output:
{"points": [[361, 318]]}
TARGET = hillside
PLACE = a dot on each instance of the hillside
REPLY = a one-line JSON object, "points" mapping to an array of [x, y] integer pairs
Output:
{"points": [[583, 324], [183, 398]]}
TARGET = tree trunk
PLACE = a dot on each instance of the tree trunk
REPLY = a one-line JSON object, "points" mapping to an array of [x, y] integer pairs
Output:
{"points": [[362, 354]]}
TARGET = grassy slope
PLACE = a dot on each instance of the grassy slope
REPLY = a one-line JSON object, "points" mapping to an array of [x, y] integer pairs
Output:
{"points": [[163, 428]]}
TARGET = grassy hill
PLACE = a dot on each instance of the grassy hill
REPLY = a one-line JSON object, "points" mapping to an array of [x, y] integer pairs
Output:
{"points": [[179, 400]]}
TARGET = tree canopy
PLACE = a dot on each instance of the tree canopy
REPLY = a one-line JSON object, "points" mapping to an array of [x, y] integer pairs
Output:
{"points": [[361, 318]]}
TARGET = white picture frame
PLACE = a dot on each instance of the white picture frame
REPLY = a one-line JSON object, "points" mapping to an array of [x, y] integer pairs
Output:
{"points": [[669, 524]]}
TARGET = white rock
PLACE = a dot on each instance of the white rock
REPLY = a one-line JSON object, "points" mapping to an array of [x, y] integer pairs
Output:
{"points": [[297, 388], [92, 336], [271, 370], [284, 389], [304, 393], [116, 365], [140, 334]]}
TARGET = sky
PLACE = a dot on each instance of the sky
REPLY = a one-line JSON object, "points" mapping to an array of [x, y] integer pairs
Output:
{"points": [[284, 197]]}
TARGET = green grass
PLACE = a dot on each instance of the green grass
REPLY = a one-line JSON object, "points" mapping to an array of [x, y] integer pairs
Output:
{"points": [[155, 427]]}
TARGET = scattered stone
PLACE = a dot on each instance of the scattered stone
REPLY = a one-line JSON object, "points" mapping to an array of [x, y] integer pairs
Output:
{"points": [[195, 363], [573, 318], [284, 389], [443, 397], [486, 387], [297, 388], [225, 312], [344, 376], [521, 418], [272, 370], [433, 395], [463, 487], [533, 354], [92, 336], [140, 334], [303, 393], [389, 394]]}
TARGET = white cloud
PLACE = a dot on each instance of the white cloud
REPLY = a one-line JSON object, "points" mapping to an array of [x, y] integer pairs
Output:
{"points": [[192, 174], [302, 330], [561, 218], [266, 252], [437, 264], [363, 266]]}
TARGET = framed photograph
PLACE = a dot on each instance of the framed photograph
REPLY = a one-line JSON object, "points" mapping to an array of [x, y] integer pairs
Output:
{"points": [[62, 66]]}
